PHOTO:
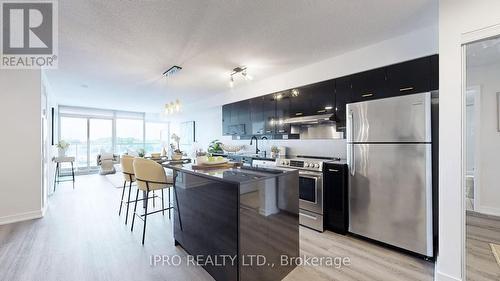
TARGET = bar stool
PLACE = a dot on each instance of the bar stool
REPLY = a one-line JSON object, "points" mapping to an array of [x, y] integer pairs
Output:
{"points": [[128, 176], [150, 176]]}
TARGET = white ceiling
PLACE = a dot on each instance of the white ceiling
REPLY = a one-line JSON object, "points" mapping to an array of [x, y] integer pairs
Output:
{"points": [[112, 53]]}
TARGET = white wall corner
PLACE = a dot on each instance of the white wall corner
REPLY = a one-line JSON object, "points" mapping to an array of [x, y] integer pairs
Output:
{"points": [[22, 217]]}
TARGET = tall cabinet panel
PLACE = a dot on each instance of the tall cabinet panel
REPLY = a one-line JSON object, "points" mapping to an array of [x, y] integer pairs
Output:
{"points": [[283, 103]]}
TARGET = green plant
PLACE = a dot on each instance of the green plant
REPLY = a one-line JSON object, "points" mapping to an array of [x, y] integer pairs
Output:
{"points": [[275, 149], [141, 152], [215, 146]]}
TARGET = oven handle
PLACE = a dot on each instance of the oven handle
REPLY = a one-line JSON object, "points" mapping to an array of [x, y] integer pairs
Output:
{"points": [[308, 216], [309, 175]]}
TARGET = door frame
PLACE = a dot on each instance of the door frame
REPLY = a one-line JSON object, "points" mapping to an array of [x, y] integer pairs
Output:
{"points": [[468, 38]]}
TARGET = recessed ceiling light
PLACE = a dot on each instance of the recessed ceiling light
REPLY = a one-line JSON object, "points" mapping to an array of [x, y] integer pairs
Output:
{"points": [[328, 107]]}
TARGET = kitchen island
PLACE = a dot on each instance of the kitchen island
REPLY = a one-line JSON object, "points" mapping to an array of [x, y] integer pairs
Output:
{"points": [[238, 223]]}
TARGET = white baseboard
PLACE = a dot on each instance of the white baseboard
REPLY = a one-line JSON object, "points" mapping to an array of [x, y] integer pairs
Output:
{"points": [[21, 217], [488, 211], [445, 277]]}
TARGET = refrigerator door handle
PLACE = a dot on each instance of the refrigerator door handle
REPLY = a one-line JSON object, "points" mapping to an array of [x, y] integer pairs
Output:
{"points": [[350, 146]]}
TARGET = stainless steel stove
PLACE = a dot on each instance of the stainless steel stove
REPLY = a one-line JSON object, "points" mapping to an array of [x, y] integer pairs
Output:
{"points": [[310, 188]]}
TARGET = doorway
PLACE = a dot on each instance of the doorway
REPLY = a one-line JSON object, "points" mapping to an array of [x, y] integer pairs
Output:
{"points": [[482, 159]]}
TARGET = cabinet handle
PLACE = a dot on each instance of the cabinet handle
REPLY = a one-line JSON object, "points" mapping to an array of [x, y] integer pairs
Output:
{"points": [[321, 111], [333, 170], [367, 95], [281, 131], [406, 89]]}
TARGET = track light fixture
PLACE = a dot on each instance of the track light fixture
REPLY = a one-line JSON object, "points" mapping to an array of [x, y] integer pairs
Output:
{"points": [[239, 70]]}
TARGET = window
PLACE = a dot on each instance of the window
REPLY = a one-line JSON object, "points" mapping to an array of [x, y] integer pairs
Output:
{"points": [[129, 135], [74, 131], [156, 136], [95, 131]]}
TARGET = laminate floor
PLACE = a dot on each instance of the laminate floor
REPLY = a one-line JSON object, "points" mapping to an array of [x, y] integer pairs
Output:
{"points": [[82, 237], [481, 263]]}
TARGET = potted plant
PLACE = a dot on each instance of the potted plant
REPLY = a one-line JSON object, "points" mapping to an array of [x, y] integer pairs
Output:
{"points": [[275, 151], [176, 152], [215, 147], [141, 152], [62, 148]]}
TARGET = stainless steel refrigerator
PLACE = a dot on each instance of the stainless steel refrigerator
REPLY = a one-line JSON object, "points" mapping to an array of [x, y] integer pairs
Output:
{"points": [[389, 151]]}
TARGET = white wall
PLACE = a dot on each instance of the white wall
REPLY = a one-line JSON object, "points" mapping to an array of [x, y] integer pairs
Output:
{"points": [[20, 145], [487, 77], [456, 17], [208, 116]]}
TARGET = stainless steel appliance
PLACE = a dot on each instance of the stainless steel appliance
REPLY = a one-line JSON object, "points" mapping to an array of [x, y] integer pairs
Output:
{"points": [[389, 151], [310, 188]]}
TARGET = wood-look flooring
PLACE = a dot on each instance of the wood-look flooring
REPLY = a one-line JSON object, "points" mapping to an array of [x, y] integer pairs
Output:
{"points": [[481, 263], [82, 237]]}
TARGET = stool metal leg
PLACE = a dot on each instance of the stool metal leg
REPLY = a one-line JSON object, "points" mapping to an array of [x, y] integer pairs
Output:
{"points": [[73, 174], [153, 198], [135, 209], [162, 204], [56, 174], [145, 218], [121, 202], [128, 201], [169, 205]]}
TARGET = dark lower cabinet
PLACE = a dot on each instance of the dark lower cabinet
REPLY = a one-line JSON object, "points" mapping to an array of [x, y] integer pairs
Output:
{"points": [[335, 189]]}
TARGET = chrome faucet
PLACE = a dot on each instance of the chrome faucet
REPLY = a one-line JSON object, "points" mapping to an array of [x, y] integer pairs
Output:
{"points": [[256, 144]]}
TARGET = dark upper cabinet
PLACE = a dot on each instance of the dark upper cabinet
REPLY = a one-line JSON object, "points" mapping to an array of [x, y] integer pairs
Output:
{"points": [[226, 118], [434, 72], [269, 113], [321, 97], [300, 101], [369, 85], [336, 209], [342, 96], [282, 112], [409, 77], [236, 118], [262, 115]]}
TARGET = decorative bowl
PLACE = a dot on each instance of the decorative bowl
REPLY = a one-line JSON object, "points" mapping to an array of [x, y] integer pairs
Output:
{"points": [[177, 156]]}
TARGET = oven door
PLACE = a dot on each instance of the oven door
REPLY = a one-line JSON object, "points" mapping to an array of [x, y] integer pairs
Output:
{"points": [[311, 191]]}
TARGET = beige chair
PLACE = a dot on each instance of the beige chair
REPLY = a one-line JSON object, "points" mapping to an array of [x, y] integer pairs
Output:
{"points": [[150, 176], [129, 177]]}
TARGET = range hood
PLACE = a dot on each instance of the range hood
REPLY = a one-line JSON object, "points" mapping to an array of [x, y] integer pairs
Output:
{"points": [[313, 119], [322, 126]]}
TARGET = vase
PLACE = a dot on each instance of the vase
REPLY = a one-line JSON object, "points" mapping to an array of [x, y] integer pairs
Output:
{"points": [[61, 152]]}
